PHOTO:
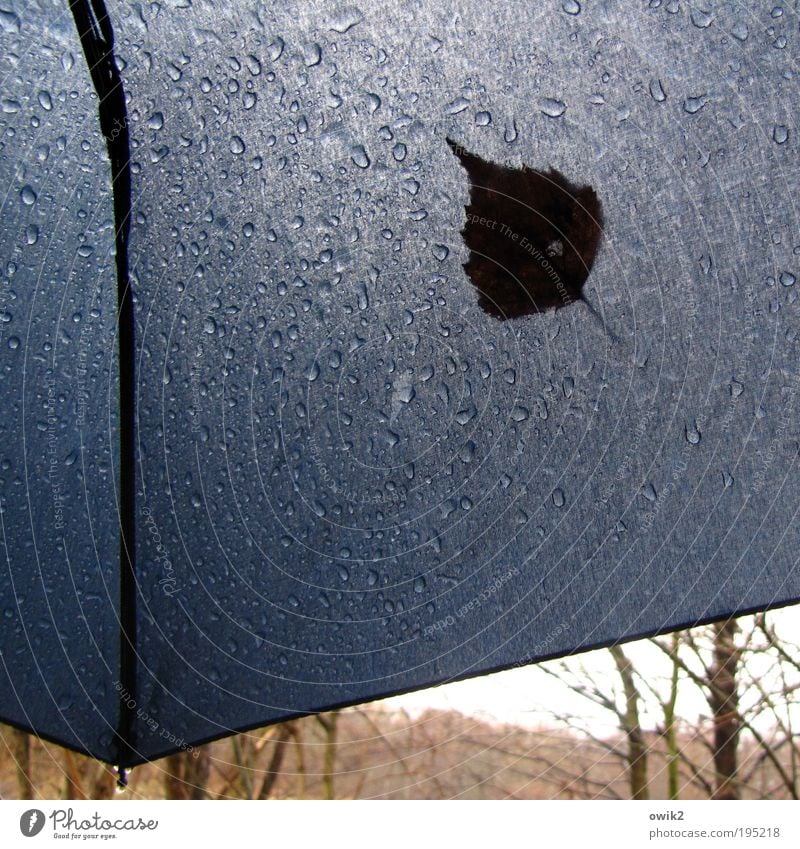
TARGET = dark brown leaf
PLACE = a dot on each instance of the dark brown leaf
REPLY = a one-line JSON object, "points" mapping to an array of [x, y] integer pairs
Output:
{"points": [[532, 237]]}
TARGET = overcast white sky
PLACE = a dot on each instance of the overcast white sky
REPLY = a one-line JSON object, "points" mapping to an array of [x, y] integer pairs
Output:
{"points": [[528, 696]]}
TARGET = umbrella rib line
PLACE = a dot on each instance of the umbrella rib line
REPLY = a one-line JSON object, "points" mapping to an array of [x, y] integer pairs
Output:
{"points": [[97, 41]]}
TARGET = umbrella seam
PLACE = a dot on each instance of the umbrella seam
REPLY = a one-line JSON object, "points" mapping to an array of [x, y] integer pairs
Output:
{"points": [[97, 41]]}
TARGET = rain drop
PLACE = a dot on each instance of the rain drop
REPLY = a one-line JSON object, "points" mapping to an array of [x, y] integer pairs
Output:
{"points": [[657, 91], [312, 54], [740, 31], [701, 19], [346, 19], [406, 394], [649, 492], [692, 432], [693, 105], [520, 414], [553, 108], [457, 106], [275, 49], [780, 134], [359, 156]]}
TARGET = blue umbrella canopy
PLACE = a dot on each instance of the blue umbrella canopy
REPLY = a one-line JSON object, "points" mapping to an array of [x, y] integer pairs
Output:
{"points": [[325, 451]]}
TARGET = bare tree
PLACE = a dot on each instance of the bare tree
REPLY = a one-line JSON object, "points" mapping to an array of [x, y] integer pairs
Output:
{"points": [[723, 698], [329, 723], [622, 699], [631, 725], [186, 775], [21, 753]]}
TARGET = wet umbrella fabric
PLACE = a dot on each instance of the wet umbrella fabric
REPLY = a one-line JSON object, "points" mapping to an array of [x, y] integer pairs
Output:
{"points": [[347, 478]]}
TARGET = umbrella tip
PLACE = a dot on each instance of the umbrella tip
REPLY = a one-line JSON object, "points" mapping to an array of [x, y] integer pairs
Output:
{"points": [[122, 778]]}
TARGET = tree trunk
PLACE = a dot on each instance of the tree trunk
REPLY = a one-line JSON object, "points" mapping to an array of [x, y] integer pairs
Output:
{"points": [[637, 748], [73, 778], [186, 775], [723, 699], [104, 782], [21, 752], [282, 735], [670, 729], [328, 722]]}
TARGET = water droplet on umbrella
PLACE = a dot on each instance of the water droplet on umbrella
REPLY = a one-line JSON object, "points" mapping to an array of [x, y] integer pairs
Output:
{"points": [[695, 104], [553, 108], [312, 54], [510, 134], [701, 19], [359, 156], [740, 31], [520, 414], [275, 48], [346, 18], [780, 134], [657, 91]]}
